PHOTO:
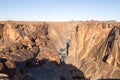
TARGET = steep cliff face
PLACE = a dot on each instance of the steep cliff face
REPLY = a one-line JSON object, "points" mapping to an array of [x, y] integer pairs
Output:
{"points": [[22, 37], [26, 48], [24, 44], [37, 50], [95, 50]]}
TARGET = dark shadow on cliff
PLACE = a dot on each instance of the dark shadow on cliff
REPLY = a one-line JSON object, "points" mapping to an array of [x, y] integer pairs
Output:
{"points": [[48, 70], [33, 69], [6, 70]]}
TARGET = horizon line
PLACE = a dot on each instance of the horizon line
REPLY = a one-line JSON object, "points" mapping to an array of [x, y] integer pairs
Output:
{"points": [[60, 20]]}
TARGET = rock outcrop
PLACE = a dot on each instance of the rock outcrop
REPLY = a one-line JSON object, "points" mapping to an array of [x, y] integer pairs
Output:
{"points": [[59, 50], [95, 50]]}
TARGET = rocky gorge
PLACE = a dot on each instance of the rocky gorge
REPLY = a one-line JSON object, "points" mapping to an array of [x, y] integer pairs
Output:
{"points": [[75, 50]]}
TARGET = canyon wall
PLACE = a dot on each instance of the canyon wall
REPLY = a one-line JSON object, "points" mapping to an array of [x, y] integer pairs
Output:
{"points": [[71, 50], [95, 49]]}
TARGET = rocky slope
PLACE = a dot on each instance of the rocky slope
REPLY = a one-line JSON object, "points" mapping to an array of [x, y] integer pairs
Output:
{"points": [[95, 49], [59, 50]]}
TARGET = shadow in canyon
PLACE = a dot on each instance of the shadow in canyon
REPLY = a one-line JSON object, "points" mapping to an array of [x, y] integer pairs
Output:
{"points": [[41, 70], [6, 70], [46, 69]]}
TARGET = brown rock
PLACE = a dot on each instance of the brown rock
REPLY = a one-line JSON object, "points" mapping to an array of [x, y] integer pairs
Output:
{"points": [[94, 46], [1, 30], [116, 74], [35, 49], [8, 67], [49, 54]]}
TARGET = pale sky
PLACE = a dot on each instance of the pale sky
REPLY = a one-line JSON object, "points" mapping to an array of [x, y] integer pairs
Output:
{"points": [[59, 10]]}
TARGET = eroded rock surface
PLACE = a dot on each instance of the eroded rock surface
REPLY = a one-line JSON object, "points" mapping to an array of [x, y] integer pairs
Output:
{"points": [[59, 50], [95, 50]]}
